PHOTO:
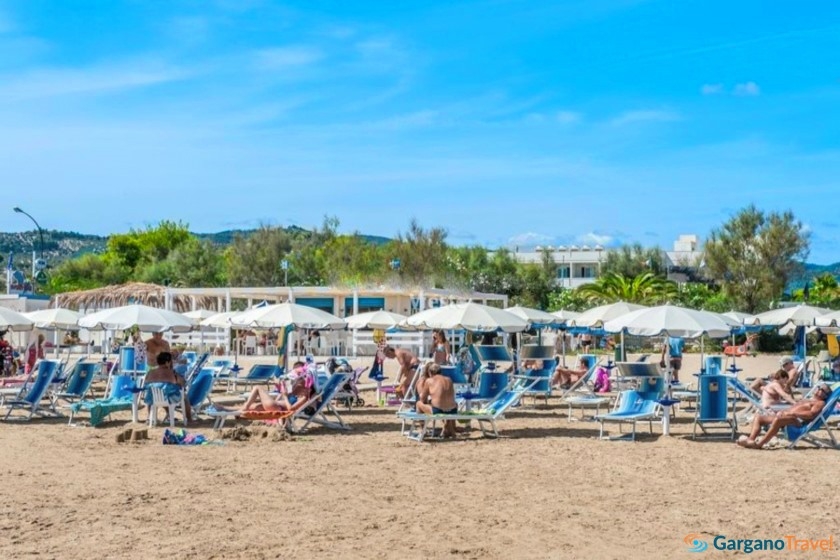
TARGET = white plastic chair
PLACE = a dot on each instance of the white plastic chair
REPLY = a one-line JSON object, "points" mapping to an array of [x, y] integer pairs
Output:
{"points": [[159, 400]]}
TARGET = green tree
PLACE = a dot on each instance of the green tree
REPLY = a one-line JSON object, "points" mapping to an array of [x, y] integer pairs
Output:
{"points": [[254, 260], [753, 255], [633, 260], [352, 260], [701, 296], [197, 263], [645, 289], [86, 272], [307, 262], [567, 299], [421, 253]]}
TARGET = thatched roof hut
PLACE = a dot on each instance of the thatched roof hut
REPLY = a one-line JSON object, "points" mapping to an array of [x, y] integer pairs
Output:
{"points": [[125, 294]]}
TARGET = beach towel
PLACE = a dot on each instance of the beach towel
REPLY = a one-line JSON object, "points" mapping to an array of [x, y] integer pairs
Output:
{"points": [[182, 437]]}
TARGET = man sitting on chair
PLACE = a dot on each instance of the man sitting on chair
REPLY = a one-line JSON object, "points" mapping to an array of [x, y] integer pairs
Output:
{"points": [[797, 415], [174, 382], [439, 391], [566, 376]]}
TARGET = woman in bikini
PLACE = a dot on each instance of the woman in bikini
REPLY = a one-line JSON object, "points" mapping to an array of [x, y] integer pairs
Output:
{"points": [[773, 393], [440, 348]]}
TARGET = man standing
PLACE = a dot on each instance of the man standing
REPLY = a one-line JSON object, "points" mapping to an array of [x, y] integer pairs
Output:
{"points": [[674, 347], [155, 346], [408, 365]]}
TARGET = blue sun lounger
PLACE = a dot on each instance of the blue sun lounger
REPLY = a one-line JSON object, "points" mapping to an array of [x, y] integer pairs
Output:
{"points": [[632, 407], [121, 397], [31, 400], [259, 374], [77, 384], [486, 416], [796, 434]]}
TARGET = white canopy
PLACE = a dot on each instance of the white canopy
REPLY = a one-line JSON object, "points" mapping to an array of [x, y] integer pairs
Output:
{"points": [[565, 315], [55, 318], [799, 315], [12, 320], [374, 320], [199, 315], [831, 319], [468, 316], [285, 314], [597, 316], [670, 320], [535, 316], [149, 319], [219, 320]]}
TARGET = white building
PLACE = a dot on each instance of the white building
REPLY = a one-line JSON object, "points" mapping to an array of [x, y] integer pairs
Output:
{"points": [[576, 265], [684, 260]]}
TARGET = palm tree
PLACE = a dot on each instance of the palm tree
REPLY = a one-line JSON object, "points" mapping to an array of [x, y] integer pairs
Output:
{"points": [[644, 289]]}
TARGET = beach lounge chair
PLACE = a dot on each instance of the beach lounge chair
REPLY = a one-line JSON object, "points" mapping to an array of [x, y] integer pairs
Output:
{"points": [[123, 396], [77, 384], [420, 424], [30, 398], [194, 366], [753, 401], [318, 405], [323, 405], [538, 379], [582, 393], [199, 390], [632, 406], [713, 405], [259, 374], [796, 434]]}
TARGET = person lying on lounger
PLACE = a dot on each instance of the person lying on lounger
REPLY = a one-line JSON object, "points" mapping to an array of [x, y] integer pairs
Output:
{"points": [[164, 373], [566, 376], [261, 399], [797, 415], [437, 396]]}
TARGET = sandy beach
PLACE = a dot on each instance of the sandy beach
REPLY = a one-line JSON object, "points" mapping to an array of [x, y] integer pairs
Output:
{"points": [[548, 488]]}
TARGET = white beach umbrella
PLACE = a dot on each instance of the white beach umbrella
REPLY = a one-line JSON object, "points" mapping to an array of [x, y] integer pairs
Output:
{"points": [[219, 320], [597, 316], [831, 319], [380, 319], [799, 315], [14, 321], [467, 316], [565, 315], [149, 319], [670, 320], [535, 317], [55, 318], [737, 316], [199, 314], [286, 314]]}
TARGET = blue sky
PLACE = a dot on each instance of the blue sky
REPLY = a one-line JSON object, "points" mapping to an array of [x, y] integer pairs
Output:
{"points": [[507, 122]]}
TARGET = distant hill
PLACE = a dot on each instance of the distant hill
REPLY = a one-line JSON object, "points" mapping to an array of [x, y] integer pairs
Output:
{"points": [[812, 271], [63, 245]]}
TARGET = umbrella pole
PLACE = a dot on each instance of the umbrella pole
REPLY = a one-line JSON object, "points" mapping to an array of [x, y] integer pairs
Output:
{"points": [[702, 355], [563, 344], [666, 417]]}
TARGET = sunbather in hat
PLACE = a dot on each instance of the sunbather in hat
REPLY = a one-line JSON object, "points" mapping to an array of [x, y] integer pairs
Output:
{"points": [[802, 412]]}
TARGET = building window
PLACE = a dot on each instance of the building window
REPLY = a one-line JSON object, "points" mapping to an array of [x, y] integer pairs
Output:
{"points": [[587, 272], [564, 271]]}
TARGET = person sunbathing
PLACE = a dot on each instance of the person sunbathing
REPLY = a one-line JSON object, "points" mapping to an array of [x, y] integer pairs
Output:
{"points": [[173, 383], [785, 365], [437, 396], [261, 400], [797, 415], [566, 376], [774, 393]]}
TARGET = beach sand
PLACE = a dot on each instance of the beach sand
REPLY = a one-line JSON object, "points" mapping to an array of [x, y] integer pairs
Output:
{"points": [[546, 489]]}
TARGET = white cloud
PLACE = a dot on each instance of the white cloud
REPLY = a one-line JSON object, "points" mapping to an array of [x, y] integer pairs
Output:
{"points": [[593, 238], [747, 89], [644, 116], [53, 82], [529, 239], [285, 57], [568, 117], [711, 89]]}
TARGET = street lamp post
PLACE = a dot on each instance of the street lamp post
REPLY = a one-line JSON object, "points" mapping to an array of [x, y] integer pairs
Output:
{"points": [[284, 264], [41, 236]]}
